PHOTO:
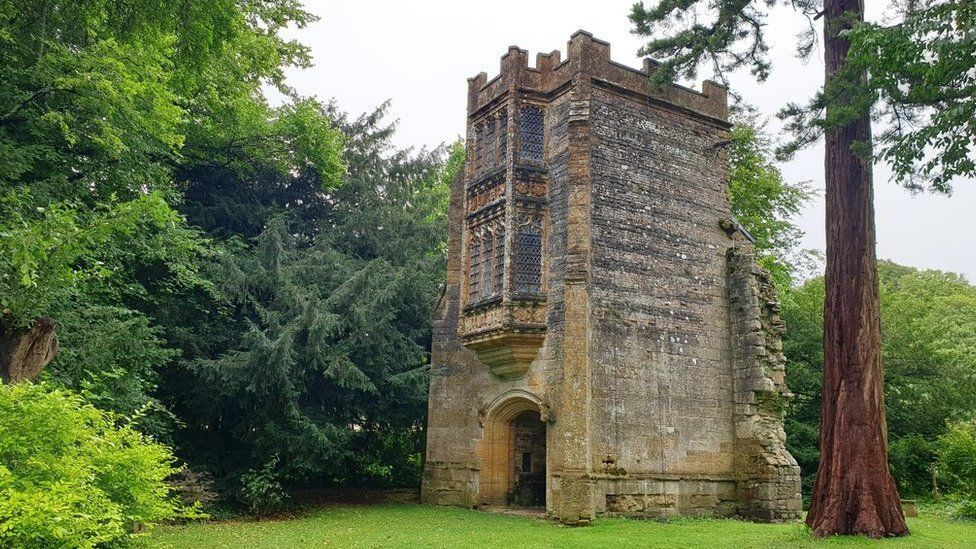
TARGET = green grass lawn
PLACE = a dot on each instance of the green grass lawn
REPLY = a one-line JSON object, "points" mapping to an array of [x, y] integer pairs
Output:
{"points": [[410, 525]]}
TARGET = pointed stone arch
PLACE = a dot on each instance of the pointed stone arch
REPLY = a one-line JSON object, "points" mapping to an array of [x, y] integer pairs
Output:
{"points": [[497, 448]]}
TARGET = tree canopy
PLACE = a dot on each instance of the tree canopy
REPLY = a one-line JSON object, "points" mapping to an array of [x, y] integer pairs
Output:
{"points": [[763, 202], [929, 346]]}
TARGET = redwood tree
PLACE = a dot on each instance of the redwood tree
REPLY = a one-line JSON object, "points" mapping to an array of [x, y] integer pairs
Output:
{"points": [[854, 491]]}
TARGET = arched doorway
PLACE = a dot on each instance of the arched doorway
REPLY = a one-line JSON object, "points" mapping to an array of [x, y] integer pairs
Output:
{"points": [[513, 452]]}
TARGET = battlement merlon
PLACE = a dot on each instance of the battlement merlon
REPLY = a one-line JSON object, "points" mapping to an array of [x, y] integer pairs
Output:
{"points": [[589, 56]]}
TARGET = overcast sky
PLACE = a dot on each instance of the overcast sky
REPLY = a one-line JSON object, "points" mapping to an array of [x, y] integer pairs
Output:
{"points": [[420, 54]]}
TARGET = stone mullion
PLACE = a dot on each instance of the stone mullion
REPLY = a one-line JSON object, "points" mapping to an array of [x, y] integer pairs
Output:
{"points": [[508, 283]]}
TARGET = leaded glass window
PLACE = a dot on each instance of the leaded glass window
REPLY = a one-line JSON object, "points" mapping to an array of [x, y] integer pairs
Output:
{"points": [[471, 153], [528, 258], [474, 273], [490, 144], [502, 136], [499, 275], [479, 148], [486, 260], [530, 134]]}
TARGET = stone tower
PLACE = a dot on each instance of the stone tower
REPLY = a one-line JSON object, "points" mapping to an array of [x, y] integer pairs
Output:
{"points": [[606, 343]]}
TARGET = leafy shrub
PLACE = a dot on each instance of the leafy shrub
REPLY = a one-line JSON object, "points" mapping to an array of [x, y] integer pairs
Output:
{"points": [[911, 459], [385, 456], [195, 487], [71, 477], [111, 355], [962, 508], [261, 489], [957, 457], [957, 463]]}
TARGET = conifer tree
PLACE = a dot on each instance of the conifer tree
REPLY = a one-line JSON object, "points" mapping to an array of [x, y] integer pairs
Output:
{"points": [[320, 375], [917, 70]]}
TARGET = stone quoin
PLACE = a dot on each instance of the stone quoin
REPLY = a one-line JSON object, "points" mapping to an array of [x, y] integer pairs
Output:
{"points": [[606, 343]]}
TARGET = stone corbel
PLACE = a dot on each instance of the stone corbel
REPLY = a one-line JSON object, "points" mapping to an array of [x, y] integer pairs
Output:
{"points": [[546, 414], [482, 412]]}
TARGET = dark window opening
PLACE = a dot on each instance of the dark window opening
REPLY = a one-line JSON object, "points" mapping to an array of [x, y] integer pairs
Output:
{"points": [[530, 134], [475, 268], [528, 260], [499, 276]]}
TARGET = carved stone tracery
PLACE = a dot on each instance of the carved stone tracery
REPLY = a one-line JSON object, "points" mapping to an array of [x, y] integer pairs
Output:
{"points": [[504, 320]]}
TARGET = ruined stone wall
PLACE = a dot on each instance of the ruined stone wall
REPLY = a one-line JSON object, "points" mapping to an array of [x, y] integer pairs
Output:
{"points": [[451, 467], [659, 377], [768, 476]]}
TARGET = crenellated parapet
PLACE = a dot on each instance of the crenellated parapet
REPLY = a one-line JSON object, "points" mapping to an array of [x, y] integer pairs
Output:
{"points": [[589, 58]]}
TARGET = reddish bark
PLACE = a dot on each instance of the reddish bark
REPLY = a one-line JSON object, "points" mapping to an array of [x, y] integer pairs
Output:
{"points": [[25, 352], [854, 492]]}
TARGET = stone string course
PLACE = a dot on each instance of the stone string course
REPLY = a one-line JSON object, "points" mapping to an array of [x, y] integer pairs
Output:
{"points": [[660, 376]]}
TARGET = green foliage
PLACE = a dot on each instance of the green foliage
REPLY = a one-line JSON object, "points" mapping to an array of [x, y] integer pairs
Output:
{"points": [[957, 457], [923, 76], [318, 371], [802, 310], [763, 202], [387, 456], [108, 96], [957, 466], [261, 490], [687, 33], [962, 508], [71, 477], [915, 72], [928, 345], [111, 356], [911, 458], [47, 251], [110, 112]]}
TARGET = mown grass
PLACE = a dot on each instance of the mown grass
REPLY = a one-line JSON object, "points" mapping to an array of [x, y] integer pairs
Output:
{"points": [[410, 525]]}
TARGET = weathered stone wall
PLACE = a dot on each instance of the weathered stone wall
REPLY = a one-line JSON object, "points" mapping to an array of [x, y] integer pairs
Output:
{"points": [[659, 376], [663, 384], [451, 468], [768, 476], [462, 389]]}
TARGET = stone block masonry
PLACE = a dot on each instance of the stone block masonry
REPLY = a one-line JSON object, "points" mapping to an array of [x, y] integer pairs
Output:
{"points": [[598, 287]]}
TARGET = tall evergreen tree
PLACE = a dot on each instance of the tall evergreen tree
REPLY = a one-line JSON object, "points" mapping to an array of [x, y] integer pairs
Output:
{"points": [[854, 491], [321, 376], [929, 347]]}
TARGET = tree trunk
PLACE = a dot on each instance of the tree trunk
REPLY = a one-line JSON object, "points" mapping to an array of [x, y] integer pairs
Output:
{"points": [[854, 492], [25, 352]]}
